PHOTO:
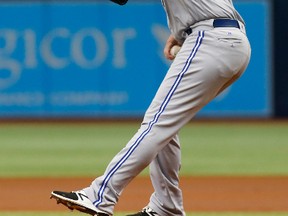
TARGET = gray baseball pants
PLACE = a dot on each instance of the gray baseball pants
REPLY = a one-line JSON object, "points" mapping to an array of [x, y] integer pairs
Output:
{"points": [[209, 61]]}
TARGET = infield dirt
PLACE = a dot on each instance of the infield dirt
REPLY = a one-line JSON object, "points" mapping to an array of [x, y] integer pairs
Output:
{"points": [[200, 193]]}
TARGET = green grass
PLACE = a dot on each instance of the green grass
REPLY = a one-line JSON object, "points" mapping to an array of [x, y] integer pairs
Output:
{"points": [[235, 149], [58, 149], [85, 149], [123, 214]]}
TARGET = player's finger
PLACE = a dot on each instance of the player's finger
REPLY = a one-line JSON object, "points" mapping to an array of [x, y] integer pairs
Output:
{"points": [[167, 52]]}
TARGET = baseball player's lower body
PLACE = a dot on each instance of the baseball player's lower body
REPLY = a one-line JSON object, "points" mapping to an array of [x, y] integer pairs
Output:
{"points": [[209, 61]]}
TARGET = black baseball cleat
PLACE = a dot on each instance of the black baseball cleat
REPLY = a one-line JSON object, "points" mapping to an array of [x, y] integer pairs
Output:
{"points": [[145, 212], [76, 200]]}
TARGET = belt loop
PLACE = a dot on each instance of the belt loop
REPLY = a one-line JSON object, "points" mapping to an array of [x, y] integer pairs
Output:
{"points": [[188, 31]]}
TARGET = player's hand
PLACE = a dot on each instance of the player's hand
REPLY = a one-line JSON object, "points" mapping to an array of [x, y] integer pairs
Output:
{"points": [[171, 41]]}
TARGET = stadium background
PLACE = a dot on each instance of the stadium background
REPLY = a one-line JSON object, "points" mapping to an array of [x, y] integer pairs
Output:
{"points": [[66, 67]]}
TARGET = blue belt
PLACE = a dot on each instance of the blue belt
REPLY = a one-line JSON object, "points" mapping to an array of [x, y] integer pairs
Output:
{"points": [[220, 23]]}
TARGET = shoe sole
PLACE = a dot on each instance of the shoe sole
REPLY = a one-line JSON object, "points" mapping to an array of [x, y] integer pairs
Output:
{"points": [[72, 205]]}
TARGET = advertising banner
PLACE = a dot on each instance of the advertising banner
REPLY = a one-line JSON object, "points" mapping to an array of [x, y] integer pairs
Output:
{"points": [[77, 59]]}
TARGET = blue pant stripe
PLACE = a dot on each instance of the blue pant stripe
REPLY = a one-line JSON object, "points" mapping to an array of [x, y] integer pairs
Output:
{"points": [[151, 123]]}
